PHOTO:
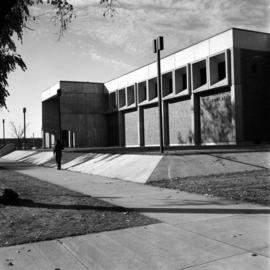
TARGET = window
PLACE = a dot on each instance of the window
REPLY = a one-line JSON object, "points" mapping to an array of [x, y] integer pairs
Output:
{"points": [[217, 68], [221, 70], [167, 84], [180, 79], [130, 95], [122, 98], [203, 79], [199, 74], [152, 88], [142, 91]]}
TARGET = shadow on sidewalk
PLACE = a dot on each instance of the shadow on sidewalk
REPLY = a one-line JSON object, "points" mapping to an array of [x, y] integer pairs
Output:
{"points": [[204, 210]]}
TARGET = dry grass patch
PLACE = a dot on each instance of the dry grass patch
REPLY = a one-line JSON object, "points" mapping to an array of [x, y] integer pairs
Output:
{"points": [[245, 186], [46, 211]]}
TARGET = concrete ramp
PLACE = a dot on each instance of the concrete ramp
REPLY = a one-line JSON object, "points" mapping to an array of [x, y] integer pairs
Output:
{"points": [[207, 164], [259, 159], [143, 168], [38, 158], [18, 155], [136, 168], [6, 149]]}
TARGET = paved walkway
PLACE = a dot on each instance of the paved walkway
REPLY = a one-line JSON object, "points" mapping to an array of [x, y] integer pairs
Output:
{"points": [[196, 232]]}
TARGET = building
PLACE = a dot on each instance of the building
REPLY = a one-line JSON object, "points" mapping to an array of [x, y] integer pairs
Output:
{"points": [[214, 92]]}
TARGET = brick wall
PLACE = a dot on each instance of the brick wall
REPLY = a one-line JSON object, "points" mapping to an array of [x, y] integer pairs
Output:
{"points": [[131, 127], [151, 126], [180, 122], [216, 118]]}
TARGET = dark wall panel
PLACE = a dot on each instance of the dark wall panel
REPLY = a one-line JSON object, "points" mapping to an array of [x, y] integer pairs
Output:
{"points": [[50, 116], [180, 122], [255, 71], [131, 128], [216, 118], [90, 129], [113, 129], [151, 126]]}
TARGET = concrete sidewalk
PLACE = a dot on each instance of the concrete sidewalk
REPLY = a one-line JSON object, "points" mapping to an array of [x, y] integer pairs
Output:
{"points": [[196, 232]]}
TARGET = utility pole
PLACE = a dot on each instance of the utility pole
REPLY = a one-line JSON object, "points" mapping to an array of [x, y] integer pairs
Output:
{"points": [[24, 128], [158, 45], [4, 137]]}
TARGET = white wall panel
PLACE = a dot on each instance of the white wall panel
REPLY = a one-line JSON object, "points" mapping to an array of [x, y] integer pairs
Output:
{"points": [[142, 74], [131, 78], [152, 70], [50, 92], [184, 57], [201, 50], [122, 82], [221, 42], [167, 64], [112, 85]]}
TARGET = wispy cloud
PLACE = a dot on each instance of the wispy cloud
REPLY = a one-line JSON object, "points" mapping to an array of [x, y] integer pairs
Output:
{"points": [[129, 34], [180, 21]]}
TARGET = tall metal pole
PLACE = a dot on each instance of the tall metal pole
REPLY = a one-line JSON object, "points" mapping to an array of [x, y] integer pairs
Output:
{"points": [[158, 46], [159, 102], [59, 112], [24, 129], [4, 137]]}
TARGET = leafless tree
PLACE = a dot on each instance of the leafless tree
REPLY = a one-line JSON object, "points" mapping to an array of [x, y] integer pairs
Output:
{"points": [[17, 132]]}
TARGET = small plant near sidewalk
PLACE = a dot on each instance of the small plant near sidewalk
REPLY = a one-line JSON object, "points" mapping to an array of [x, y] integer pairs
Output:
{"points": [[44, 211], [253, 186]]}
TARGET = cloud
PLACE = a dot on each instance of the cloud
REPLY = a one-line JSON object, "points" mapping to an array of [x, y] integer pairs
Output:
{"points": [[138, 22], [130, 33], [114, 63]]}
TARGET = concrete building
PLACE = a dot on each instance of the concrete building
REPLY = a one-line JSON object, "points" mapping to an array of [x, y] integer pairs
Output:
{"points": [[214, 92], [79, 110]]}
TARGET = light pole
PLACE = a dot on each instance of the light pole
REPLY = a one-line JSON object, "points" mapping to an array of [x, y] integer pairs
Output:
{"points": [[24, 128], [158, 45], [59, 112], [4, 138]]}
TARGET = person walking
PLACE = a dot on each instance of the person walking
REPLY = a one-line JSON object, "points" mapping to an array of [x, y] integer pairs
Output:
{"points": [[58, 153]]}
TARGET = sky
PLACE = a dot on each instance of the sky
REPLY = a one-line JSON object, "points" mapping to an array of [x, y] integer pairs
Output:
{"points": [[98, 49]]}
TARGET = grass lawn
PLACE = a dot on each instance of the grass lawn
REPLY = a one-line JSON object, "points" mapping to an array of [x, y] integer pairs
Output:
{"points": [[245, 186], [46, 211]]}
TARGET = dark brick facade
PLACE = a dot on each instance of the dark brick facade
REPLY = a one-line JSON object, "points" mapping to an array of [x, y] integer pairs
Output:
{"points": [[113, 129], [216, 118], [180, 122]]}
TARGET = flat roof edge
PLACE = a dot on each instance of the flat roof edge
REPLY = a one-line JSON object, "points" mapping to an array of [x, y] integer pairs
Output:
{"points": [[189, 46]]}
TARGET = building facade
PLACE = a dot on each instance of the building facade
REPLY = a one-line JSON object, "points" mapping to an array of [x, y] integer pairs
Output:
{"points": [[214, 92]]}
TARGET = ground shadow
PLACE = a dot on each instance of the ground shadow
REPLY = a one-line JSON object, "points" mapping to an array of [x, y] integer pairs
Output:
{"points": [[32, 204]]}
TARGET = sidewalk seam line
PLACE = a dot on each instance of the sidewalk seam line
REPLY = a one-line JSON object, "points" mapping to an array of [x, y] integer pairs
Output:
{"points": [[189, 267], [72, 253], [220, 241]]}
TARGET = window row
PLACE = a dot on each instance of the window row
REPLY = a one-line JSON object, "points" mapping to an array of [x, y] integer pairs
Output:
{"points": [[199, 76]]}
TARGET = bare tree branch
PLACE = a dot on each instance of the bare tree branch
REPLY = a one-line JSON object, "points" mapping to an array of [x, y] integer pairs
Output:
{"points": [[17, 131]]}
